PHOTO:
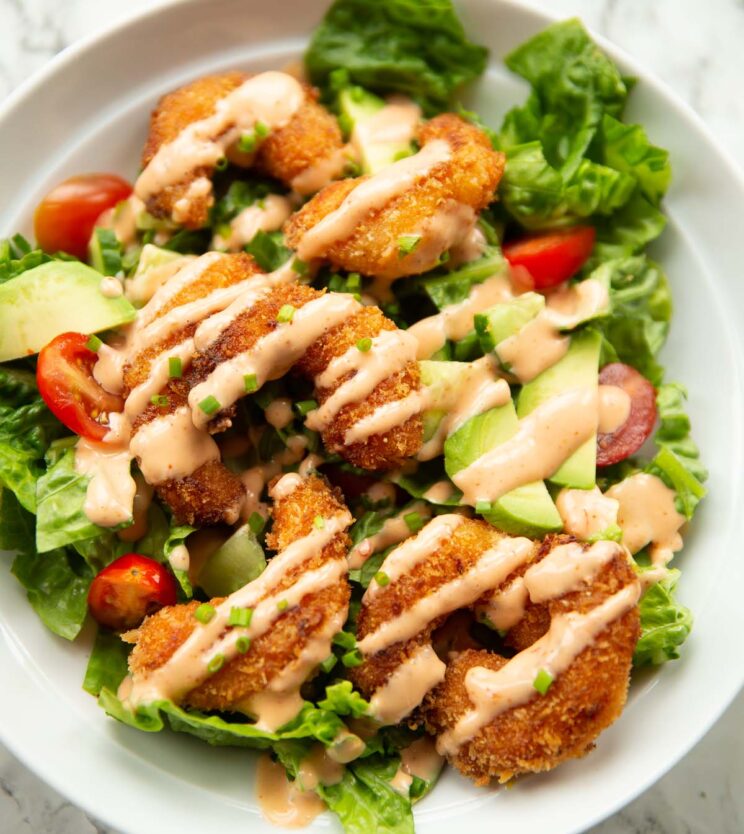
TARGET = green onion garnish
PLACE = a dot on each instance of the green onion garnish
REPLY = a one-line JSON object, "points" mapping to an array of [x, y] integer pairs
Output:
{"points": [[205, 612], [354, 281], [382, 579], [403, 154], [344, 639], [319, 522], [345, 123], [216, 663], [160, 400], [262, 130], [352, 658], [407, 243], [250, 383], [364, 345], [282, 605], [210, 405], [329, 663], [300, 267], [93, 343], [221, 163], [242, 644], [285, 314], [248, 142], [413, 521], [304, 407], [175, 367], [240, 617], [352, 168], [256, 522], [542, 681]]}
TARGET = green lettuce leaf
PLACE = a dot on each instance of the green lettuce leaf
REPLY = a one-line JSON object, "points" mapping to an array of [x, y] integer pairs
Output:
{"points": [[57, 586], [240, 195], [446, 288], [107, 665], [342, 699], [674, 428], [628, 230], [665, 624], [311, 723], [16, 256], [416, 47], [16, 524], [268, 250], [574, 84], [417, 483], [17, 386]]}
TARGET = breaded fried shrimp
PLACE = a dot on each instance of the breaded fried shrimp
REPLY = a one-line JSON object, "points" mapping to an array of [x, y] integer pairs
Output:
{"points": [[194, 127], [285, 642], [402, 220]]}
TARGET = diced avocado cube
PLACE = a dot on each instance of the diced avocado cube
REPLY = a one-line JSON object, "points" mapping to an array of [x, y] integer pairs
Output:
{"points": [[235, 563], [507, 319]]}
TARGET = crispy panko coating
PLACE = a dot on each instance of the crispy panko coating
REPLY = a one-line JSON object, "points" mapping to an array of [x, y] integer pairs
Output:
{"points": [[581, 702], [212, 494], [280, 648], [456, 554], [381, 451], [468, 178], [311, 136]]}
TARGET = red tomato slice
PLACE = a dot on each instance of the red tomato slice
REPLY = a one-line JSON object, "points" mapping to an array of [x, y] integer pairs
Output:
{"points": [[128, 590], [64, 219], [552, 257], [64, 374], [628, 438]]}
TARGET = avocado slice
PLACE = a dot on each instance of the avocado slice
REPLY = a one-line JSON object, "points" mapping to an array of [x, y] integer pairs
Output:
{"points": [[153, 256], [504, 320], [54, 298], [441, 378], [579, 368], [235, 563], [357, 106], [525, 511]]}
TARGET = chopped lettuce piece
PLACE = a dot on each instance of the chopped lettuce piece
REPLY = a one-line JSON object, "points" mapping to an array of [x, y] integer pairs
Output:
{"points": [[107, 664], [665, 624], [447, 288], [627, 148], [674, 428], [16, 524], [419, 49], [268, 250], [16, 256], [342, 699], [57, 585]]}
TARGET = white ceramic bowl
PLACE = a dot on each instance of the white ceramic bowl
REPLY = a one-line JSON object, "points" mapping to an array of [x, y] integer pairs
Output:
{"points": [[88, 111]]}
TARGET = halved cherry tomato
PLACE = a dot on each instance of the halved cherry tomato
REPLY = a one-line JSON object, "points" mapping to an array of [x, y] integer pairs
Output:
{"points": [[64, 374], [129, 589], [64, 219], [552, 257], [628, 438]]}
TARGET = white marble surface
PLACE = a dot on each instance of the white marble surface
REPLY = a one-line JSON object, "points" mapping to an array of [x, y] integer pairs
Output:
{"points": [[697, 48]]}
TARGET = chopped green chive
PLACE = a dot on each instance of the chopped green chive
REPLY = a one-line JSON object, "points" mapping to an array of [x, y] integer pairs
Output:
{"points": [[256, 522], [205, 612], [542, 681], [352, 658], [482, 507], [319, 522], [354, 281], [345, 123], [364, 345], [356, 94], [344, 639], [210, 405], [216, 663], [329, 663], [282, 605], [221, 163], [304, 407], [175, 367], [402, 154], [242, 644], [160, 400], [443, 258], [240, 617], [407, 243], [352, 168], [262, 130], [285, 314], [382, 579], [250, 383], [248, 142], [300, 267], [413, 521], [93, 343]]}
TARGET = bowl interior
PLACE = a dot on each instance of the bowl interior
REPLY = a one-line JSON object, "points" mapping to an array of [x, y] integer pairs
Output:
{"points": [[89, 112]]}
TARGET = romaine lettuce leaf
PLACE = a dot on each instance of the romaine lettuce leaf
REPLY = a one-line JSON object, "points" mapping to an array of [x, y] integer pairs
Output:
{"points": [[107, 665], [674, 428], [627, 148], [446, 288], [268, 250], [16, 256], [17, 386], [342, 699], [16, 524], [665, 624], [628, 230], [416, 47], [57, 586]]}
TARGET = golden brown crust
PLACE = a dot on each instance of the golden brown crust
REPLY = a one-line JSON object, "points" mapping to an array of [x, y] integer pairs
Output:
{"points": [[161, 634], [469, 177]]}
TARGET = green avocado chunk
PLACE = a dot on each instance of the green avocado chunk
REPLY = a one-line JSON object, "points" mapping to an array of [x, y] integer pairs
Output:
{"points": [[505, 320], [358, 106], [579, 368], [54, 298], [526, 511], [235, 563]]}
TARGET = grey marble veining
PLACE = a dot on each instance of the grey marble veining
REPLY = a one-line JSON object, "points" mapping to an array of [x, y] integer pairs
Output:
{"points": [[697, 48]]}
